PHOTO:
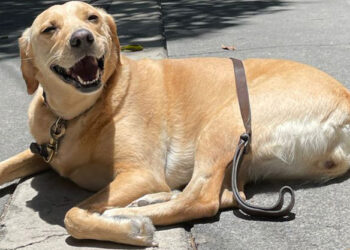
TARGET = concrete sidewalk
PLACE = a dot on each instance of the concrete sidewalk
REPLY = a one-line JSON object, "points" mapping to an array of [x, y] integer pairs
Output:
{"points": [[315, 32]]}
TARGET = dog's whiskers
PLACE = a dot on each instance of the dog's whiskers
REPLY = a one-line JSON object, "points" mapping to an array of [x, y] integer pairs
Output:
{"points": [[56, 55], [104, 41], [53, 59]]}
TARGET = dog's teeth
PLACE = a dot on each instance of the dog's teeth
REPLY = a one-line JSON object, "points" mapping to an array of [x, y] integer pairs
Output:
{"points": [[88, 82], [80, 80], [97, 75]]}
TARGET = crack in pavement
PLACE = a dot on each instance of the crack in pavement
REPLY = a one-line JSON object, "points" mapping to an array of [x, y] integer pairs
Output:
{"points": [[39, 241]]}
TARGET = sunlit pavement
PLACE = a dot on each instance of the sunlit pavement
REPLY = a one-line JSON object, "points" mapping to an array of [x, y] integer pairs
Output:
{"points": [[314, 32]]}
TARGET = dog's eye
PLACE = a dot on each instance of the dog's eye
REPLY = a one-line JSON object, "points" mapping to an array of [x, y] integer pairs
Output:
{"points": [[49, 29], [93, 18]]}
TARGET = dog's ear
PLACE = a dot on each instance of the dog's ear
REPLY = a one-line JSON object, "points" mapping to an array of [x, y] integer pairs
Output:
{"points": [[27, 63], [112, 29]]}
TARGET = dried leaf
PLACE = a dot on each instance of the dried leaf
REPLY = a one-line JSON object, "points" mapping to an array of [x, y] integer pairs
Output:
{"points": [[228, 47], [132, 47]]}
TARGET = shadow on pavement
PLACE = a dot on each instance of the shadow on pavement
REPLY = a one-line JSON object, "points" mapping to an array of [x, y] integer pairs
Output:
{"points": [[138, 21], [15, 16], [192, 18], [55, 197], [98, 244], [256, 193], [274, 186], [7, 190]]}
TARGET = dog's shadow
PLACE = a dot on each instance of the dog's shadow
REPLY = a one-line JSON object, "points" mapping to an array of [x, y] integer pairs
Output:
{"points": [[56, 195], [264, 194]]}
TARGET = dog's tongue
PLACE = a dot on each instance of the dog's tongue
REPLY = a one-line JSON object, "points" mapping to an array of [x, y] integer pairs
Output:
{"points": [[86, 69]]}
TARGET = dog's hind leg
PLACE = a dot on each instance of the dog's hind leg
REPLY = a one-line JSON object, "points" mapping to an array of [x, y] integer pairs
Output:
{"points": [[201, 197], [154, 198], [227, 199], [21, 165]]}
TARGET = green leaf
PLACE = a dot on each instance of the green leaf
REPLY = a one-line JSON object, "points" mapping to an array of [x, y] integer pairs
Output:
{"points": [[132, 47]]}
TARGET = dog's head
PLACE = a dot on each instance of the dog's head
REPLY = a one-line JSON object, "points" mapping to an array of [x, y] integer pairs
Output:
{"points": [[73, 46]]}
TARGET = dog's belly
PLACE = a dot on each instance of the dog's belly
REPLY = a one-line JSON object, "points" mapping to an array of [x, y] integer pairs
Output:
{"points": [[179, 164]]}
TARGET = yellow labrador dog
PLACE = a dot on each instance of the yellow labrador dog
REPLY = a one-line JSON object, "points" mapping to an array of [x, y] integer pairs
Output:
{"points": [[138, 131]]}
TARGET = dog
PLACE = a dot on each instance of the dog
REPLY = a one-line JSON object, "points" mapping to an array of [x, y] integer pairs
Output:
{"points": [[155, 138]]}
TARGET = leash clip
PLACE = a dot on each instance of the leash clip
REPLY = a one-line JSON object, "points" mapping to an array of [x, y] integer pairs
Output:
{"points": [[245, 139], [48, 150]]}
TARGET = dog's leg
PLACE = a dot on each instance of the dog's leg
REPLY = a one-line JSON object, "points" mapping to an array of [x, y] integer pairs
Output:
{"points": [[21, 165], [86, 221], [227, 199], [154, 198], [201, 197]]}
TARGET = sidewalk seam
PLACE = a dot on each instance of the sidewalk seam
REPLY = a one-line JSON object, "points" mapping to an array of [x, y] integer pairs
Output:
{"points": [[13, 186], [192, 240], [162, 27]]}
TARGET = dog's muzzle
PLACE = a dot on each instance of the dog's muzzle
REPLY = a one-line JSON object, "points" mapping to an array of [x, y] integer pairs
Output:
{"points": [[85, 75]]}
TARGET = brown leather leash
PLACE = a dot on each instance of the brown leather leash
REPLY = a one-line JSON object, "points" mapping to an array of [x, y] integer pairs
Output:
{"points": [[277, 210]]}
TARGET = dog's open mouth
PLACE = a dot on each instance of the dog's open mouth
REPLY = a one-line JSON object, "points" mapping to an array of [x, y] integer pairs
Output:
{"points": [[85, 75]]}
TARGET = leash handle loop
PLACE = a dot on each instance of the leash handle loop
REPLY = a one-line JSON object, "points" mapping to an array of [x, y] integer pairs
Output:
{"points": [[277, 209]]}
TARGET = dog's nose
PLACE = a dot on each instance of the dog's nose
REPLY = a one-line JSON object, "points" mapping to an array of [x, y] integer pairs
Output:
{"points": [[81, 38]]}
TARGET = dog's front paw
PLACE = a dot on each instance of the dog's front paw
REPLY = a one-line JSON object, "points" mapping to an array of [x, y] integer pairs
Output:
{"points": [[140, 229], [143, 230]]}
